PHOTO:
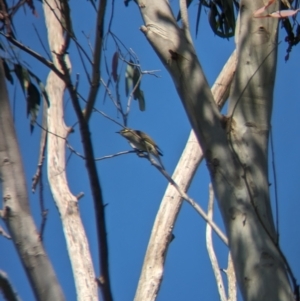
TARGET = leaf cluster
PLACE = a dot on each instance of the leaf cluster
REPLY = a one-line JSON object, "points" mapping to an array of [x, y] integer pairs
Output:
{"points": [[31, 91]]}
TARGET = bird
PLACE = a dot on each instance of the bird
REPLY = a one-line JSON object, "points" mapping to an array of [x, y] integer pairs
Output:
{"points": [[142, 142]]}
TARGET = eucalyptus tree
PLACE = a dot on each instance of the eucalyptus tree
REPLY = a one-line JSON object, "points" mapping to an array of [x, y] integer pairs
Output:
{"points": [[234, 146]]}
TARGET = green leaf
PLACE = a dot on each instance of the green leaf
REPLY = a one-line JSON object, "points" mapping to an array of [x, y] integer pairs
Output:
{"points": [[198, 17], [141, 99], [33, 104], [114, 66], [23, 76], [44, 93], [132, 81], [41, 86], [7, 72], [136, 82], [129, 73], [222, 19]]}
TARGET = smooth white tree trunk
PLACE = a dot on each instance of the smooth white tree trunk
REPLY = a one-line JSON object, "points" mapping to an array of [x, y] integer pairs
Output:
{"points": [[66, 202], [235, 146]]}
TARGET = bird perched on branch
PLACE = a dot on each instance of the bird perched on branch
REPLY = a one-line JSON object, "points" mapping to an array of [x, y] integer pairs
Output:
{"points": [[142, 142]]}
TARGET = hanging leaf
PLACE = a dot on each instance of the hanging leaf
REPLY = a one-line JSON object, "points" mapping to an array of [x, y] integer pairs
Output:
{"points": [[132, 81], [93, 4], [44, 93], [32, 7], [114, 66], [33, 104], [141, 99], [136, 83], [221, 19], [41, 86], [23, 76], [198, 17], [7, 72], [129, 73]]}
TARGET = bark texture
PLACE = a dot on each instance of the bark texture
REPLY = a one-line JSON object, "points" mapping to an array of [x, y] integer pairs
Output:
{"points": [[240, 178], [153, 267], [16, 213], [259, 266], [66, 202]]}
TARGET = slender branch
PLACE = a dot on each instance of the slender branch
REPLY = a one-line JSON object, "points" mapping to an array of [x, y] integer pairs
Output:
{"points": [[194, 204], [16, 212], [36, 55], [115, 155], [185, 20], [231, 279], [152, 271], [101, 112], [94, 183], [2, 231], [210, 247], [66, 202], [83, 65], [275, 186], [43, 143], [117, 104], [97, 59], [41, 42], [44, 212]]}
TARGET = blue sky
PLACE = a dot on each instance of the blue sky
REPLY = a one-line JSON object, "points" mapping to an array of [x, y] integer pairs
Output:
{"points": [[132, 188]]}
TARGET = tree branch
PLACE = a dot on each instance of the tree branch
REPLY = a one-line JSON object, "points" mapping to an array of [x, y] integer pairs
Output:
{"points": [[16, 213], [66, 202], [191, 157], [95, 81], [210, 248]]}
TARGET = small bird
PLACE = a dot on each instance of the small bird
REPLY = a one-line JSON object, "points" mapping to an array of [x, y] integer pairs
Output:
{"points": [[142, 142]]}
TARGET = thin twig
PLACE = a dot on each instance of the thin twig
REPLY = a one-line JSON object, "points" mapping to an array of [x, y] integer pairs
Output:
{"points": [[101, 112], [4, 233], [43, 143], [94, 181], [115, 155], [36, 55], [41, 42], [44, 212], [275, 184], [108, 92], [197, 207], [84, 66], [185, 196]]}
